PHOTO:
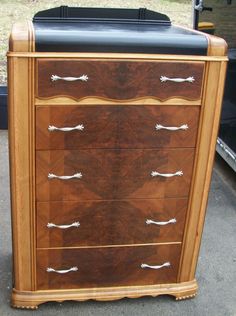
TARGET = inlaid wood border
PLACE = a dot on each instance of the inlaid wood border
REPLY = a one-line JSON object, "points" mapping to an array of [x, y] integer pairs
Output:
{"points": [[66, 101], [112, 56]]}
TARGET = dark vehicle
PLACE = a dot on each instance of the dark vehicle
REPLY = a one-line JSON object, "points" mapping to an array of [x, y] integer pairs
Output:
{"points": [[218, 17], [3, 107]]}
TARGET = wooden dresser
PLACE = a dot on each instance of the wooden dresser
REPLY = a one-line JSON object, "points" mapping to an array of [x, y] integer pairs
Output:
{"points": [[112, 142]]}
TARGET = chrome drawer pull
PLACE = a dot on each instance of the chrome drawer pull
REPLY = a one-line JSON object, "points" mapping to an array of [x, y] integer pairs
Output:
{"points": [[189, 79], [166, 175], [171, 221], [62, 271], [79, 127], [81, 78], [144, 265], [75, 224], [171, 128], [74, 176]]}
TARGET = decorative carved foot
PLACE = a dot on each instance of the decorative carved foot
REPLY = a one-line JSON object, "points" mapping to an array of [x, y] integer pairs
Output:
{"points": [[185, 297], [24, 307]]}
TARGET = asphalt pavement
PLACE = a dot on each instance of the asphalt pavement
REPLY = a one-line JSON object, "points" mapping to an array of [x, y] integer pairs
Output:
{"points": [[216, 271]]}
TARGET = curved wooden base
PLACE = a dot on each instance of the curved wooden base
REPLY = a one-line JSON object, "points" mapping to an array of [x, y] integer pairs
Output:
{"points": [[31, 299]]}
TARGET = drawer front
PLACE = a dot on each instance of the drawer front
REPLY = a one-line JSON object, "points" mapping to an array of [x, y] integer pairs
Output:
{"points": [[119, 80], [109, 266], [92, 223], [113, 174], [116, 127]]}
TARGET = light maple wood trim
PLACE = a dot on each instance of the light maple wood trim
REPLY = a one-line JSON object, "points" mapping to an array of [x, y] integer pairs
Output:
{"points": [[21, 149], [216, 46], [62, 101], [113, 56], [202, 172], [22, 37], [31, 300], [121, 57], [212, 151], [31, 94], [116, 245]]}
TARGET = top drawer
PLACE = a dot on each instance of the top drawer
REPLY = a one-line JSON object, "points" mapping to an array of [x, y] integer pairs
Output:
{"points": [[119, 80]]}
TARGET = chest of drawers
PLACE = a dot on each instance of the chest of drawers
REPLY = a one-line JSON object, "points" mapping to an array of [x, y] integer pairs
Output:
{"points": [[111, 152]]}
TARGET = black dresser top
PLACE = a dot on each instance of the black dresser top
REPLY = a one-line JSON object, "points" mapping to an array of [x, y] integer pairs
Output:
{"points": [[66, 29]]}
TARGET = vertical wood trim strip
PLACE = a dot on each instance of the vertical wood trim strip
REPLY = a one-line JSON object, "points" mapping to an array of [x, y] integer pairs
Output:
{"points": [[189, 214], [11, 139], [202, 176], [20, 173], [32, 171], [21, 150], [32, 151], [22, 161], [212, 151]]}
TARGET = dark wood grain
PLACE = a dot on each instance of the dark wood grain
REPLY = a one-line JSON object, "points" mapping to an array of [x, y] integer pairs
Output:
{"points": [[119, 79], [115, 266], [116, 126], [113, 174], [109, 222]]}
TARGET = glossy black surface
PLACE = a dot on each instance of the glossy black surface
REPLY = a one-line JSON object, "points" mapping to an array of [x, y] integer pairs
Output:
{"points": [[65, 13], [134, 33]]}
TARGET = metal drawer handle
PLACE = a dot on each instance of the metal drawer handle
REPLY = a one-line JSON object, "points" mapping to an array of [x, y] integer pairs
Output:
{"points": [[75, 224], [62, 271], [166, 175], [144, 265], [74, 176], [81, 78], [79, 127], [189, 79], [171, 221], [171, 128]]}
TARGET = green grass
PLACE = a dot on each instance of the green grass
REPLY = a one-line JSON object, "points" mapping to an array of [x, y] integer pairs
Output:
{"points": [[18, 10]]}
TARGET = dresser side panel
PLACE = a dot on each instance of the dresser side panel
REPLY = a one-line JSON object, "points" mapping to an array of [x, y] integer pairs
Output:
{"points": [[21, 144], [209, 122]]}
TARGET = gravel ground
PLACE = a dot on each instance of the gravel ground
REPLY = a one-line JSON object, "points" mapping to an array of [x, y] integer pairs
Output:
{"points": [[11, 11]]}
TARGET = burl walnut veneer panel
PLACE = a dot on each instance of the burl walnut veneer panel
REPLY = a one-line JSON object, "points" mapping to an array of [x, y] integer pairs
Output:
{"points": [[110, 222], [111, 266], [113, 174], [121, 80], [116, 126]]}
